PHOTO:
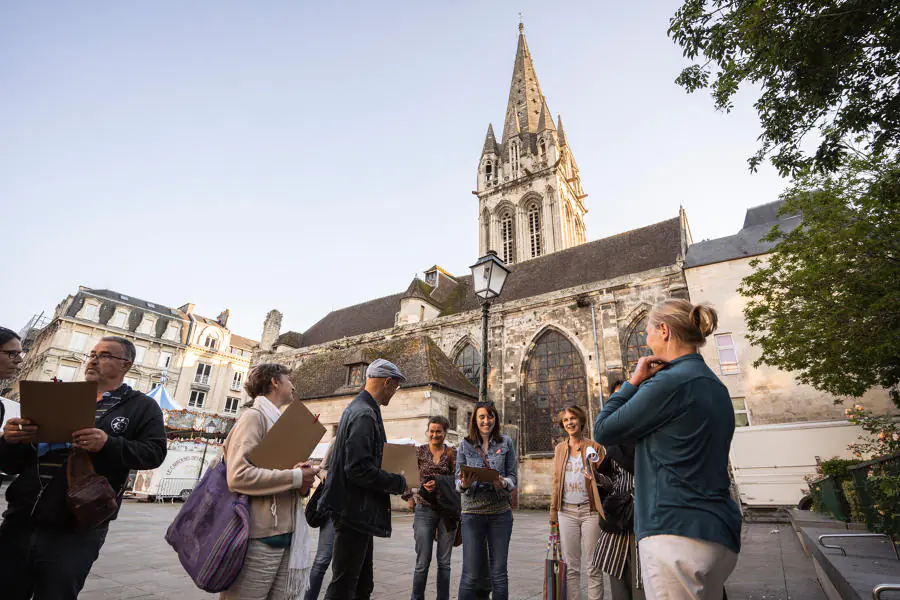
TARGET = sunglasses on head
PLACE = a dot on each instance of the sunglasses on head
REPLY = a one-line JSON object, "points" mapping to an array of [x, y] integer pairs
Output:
{"points": [[484, 405]]}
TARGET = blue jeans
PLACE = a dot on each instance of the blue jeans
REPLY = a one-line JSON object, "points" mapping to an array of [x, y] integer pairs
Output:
{"points": [[425, 524], [497, 530], [322, 560]]}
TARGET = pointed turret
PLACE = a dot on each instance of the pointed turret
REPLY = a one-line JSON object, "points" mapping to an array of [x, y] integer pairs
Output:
{"points": [[561, 131], [525, 97], [490, 143], [546, 120]]}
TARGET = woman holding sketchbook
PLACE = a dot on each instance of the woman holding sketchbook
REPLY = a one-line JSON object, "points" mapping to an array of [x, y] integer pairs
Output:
{"points": [[278, 557], [486, 494]]}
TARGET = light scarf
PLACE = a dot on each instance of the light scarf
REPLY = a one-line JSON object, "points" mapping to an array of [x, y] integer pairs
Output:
{"points": [[300, 562]]}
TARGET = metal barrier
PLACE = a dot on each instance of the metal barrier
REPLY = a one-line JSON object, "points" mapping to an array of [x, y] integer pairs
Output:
{"points": [[855, 535], [884, 587], [175, 487]]}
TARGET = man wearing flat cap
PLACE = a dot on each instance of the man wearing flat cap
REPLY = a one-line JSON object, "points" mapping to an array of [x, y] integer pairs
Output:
{"points": [[357, 490]]}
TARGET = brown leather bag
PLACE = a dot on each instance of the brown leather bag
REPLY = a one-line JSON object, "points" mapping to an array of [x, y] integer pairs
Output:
{"points": [[91, 498]]}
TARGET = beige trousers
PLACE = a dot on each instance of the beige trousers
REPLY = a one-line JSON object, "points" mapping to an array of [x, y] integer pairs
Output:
{"points": [[579, 530], [264, 575], [680, 568]]}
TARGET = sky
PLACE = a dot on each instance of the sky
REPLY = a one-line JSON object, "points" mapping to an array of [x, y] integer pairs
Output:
{"points": [[310, 156]]}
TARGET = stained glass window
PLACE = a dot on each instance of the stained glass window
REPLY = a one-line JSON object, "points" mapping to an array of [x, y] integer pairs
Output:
{"points": [[554, 379], [636, 345], [469, 362]]}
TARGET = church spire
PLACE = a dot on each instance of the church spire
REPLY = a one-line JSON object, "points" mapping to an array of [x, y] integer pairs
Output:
{"points": [[545, 122], [490, 142], [525, 97], [561, 132]]}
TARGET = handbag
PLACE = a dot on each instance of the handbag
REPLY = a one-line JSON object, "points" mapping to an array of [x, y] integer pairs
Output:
{"points": [[618, 510], [314, 517], [90, 497], [211, 532], [554, 568]]}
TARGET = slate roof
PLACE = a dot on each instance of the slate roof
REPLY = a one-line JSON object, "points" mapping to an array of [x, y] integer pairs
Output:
{"points": [[419, 358], [242, 342], [758, 222], [132, 301], [650, 247]]}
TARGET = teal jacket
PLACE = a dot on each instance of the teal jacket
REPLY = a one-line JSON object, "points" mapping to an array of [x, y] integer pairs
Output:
{"points": [[682, 421]]}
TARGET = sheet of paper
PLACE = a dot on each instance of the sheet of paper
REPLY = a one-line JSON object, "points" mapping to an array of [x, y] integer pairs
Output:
{"points": [[401, 458], [290, 441], [58, 409], [480, 473]]}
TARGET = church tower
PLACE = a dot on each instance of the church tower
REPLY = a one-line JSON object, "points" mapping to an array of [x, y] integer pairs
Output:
{"points": [[530, 201]]}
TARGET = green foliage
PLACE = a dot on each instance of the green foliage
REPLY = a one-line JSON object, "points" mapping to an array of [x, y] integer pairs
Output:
{"points": [[884, 433], [825, 303], [856, 514], [829, 66], [883, 485], [836, 468]]}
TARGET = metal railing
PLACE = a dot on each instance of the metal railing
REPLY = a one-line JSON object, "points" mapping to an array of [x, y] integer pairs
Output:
{"points": [[856, 536], [884, 587]]}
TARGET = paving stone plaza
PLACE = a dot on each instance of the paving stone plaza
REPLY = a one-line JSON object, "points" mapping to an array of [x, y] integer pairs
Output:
{"points": [[136, 562]]}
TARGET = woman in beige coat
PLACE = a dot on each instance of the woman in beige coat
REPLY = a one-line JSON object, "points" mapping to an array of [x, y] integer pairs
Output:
{"points": [[575, 504], [278, 558]]}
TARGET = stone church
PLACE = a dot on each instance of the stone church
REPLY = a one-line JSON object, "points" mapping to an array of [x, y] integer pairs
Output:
{"points": [[572, 315]]}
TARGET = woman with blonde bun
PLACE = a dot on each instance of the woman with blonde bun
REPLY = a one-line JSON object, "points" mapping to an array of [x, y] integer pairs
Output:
{"points": [[687, 525]]}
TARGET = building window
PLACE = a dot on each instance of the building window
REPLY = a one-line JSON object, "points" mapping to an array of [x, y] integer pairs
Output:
{"points": [[198, 399], [90, 312], [534, 230], [165, 358], [542, 149], [119, 319], [514, 158], [172, 333], [741, 412], [452, 416], [132, 382], [139, 353], [636, 345], [356, 375], [554, 379], [147, 325], [469, 362], [468, 420], [421, 313], [237, 380], [489, 172], [66, 372], [728, 362], [202, 375], [78, 342], [508, 238], [231, 405], [210, 342]]}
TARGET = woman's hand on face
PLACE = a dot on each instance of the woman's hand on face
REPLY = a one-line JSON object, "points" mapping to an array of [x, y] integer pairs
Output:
{"points": [[647, 367]]}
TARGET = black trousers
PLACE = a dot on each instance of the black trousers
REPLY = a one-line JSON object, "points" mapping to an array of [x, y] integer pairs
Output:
{"points": [[352, 577], [46, 564]]}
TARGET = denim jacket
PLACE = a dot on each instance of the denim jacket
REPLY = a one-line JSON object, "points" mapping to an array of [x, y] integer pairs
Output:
{"points": [[501, 457]]}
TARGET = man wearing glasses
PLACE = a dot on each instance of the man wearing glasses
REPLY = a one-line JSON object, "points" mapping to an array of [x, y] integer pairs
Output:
{"points": [[42, 553]]}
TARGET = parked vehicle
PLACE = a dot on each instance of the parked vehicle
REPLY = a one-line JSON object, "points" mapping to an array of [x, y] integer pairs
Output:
{"points": [[176, 477]]}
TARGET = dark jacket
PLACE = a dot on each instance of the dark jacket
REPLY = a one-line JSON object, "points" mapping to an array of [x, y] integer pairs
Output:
{"points": [[137, 440], [444, 500], [357, 491], [683, 421]]}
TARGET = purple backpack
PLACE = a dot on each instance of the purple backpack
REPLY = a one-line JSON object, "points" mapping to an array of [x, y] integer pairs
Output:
{"points": [[211, 532]]}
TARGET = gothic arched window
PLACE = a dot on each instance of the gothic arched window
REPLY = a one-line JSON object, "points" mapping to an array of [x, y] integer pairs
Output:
{"points": [[508, 237], [514, 157], [489, 171], [636, 344], [554, 379], [469, 362], [542, 149], [534, 230], [485, 230]]}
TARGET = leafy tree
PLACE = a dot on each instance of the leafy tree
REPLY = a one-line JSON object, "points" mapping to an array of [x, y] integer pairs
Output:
{"points": [[826, 301], [830, 67]]}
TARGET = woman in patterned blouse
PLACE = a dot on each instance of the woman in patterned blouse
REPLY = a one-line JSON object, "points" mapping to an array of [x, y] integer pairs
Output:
{"points": [[435, 458]]}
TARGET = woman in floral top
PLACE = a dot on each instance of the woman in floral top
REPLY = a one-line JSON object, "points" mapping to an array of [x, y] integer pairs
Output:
{"points": [[435, 458]]}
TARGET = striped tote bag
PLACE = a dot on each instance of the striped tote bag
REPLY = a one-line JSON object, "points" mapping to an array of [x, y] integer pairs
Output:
{"points": [[554, 569]]}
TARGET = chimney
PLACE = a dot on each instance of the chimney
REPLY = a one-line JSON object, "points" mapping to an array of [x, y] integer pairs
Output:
{"points": [[187, 308], [222, 319], [271, 331]]}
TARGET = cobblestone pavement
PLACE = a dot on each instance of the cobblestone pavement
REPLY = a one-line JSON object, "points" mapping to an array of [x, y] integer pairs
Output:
{"points": [[136, 562]]}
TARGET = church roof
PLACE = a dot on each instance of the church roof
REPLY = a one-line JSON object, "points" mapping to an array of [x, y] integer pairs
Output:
{"points": [[419, 289], [324, 374], [747, 242], [649, 247], [523, 109]]}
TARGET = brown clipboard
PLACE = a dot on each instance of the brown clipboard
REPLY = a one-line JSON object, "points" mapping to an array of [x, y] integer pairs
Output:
{"points": [[401, 458], [291, 439], [58, 409], [480, 473]]}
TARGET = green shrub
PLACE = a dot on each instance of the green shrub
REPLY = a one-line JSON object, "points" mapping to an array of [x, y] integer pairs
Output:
{"points": [[836, 468], [856, 514]]}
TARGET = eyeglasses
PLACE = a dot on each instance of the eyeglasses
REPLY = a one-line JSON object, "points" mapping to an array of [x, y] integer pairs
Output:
{"points": [[102, 356], [13, 354]]}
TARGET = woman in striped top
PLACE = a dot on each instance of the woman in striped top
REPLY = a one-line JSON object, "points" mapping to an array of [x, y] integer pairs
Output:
{"points": [[616, 553]]}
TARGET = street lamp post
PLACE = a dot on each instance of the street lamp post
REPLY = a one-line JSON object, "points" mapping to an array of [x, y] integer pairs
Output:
{"points": [[488, 276], [209, 429]]}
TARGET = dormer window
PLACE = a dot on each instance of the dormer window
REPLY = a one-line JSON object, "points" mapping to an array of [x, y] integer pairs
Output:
{"points": [[356, 375], [210, 342], [431, 278]]}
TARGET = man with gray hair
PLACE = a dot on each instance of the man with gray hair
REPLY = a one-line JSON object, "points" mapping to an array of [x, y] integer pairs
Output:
{"points": [[43, 554], [357, 490]]}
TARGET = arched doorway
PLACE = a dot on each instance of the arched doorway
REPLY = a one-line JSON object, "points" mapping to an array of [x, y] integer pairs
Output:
{"points": [[554, 379]]}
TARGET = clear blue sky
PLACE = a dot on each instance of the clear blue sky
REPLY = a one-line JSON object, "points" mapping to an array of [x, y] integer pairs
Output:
{"points": [[308, 156]]}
